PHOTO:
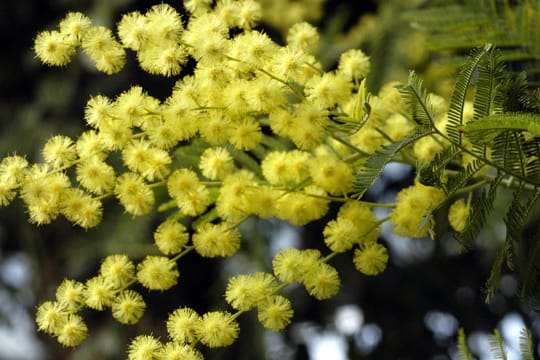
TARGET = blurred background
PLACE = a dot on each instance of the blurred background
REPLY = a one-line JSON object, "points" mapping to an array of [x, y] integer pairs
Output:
{"points": [[412, 311]]}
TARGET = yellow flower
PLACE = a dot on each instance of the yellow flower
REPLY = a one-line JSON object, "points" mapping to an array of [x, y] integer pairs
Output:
{"points": [[291, 264], [371, 258], [70, 294], [178, 351], [213, 240], [322, 281], [99, 44], [246, 291], [181, 325], [217, 329], [52, 48], [458, 215], [118, 269], [95, 175], [50, 317], [134, 194], [73, 331], [303, 36], [275, 312], [216, 163], [99, 293], [81, 208], [157, 273], [144, 347], [59, 151], [74, 25], [128, 307], [340, 235], [170, 237]]}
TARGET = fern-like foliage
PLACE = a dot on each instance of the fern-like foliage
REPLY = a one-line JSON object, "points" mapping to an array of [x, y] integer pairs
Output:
{"points": [[526, 349], [375, 163], [511, 26], [463, 350], [497, 345]]}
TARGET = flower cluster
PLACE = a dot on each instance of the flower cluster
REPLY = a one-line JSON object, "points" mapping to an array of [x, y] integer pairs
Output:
{"points": [[281, 138]]}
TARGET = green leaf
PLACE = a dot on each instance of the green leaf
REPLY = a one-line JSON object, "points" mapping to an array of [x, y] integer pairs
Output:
{"points": [[463, 350], [497, 345], [526, 349]]}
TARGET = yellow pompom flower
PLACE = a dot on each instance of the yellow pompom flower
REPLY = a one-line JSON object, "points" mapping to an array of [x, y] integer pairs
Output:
{"points": [[213, 240], [134, 194], [73, 331], [89, 145], [98, 109], [81, 208], [157, 273], [291, 264], [95, 175], [13, 169], [371, 258], [114, 133], [331, 174], [246, 291], [363, 220], [144, 347], [266, 94], [190, 194], [178, 351], [59, 151], [246, 134], [412, 205], [150, 162], [308, 127], [300, 208], [249, 14], [275, 312], [231, 203], [53, 48], [164, 23], [74, 25], [99, 293], [303, 36], [128, 307], [340, 235], [70, 295], [99, 44], [181, 325], [322, 281], [217, 329], [118, 270], [458, 215], [216, 163], [328, 90], [170, 237], [354, 64], [132, 30], [286, 168], [51, 316]]}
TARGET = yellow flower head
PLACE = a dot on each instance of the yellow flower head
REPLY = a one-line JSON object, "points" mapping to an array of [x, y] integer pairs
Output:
{"points": [[412, 205], [118, 269], [170, 237], [102, 48], [363, 220], [133, 30], [70, 295], [217, 329], [354, 64], [340, 235], [157, 273], [213, 240], [53, 48], [134, 194], [303, 36], [144, 347], [371, 258], [81, 208], [59, 151], [332, 174], [128, 307], [74, 25], [174, 351], [246, 291], [73, 331], [458, 215], [216, 163], [181, 325], [95, 175], [275, 312], [291, 264], [51, 316], [99, 293], [322, 281]]}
